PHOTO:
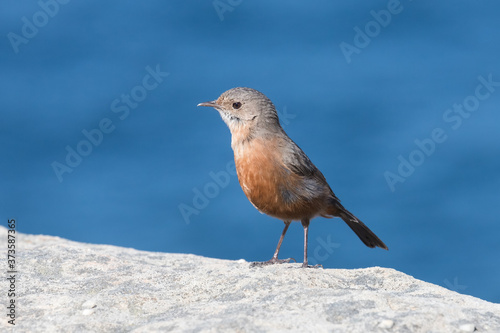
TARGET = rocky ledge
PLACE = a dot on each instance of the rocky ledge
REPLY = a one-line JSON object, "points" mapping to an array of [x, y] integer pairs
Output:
{"points": [[65, 286]]}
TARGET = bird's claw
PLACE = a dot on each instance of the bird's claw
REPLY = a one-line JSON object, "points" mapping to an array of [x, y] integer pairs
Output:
{"points": [[312, 266], [271, 262]]}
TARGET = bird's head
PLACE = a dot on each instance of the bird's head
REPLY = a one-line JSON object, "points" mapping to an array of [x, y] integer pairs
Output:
{"points": [[246, 110]]}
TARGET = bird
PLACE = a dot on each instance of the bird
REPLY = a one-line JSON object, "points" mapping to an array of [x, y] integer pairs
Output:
{"points": [[276, 176]]}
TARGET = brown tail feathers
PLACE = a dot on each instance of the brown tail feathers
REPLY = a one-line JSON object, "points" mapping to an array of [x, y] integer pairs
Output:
{"points": [[364, 233]]}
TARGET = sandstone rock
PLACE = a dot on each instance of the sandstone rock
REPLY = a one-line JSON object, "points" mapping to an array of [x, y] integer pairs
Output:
{"points": [[64, 286]]}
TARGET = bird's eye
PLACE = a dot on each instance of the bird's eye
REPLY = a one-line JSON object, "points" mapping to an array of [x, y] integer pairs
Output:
{"points": [[236, 105]]}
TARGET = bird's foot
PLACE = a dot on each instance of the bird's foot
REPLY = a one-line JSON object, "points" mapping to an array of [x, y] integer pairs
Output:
{"points": [[271, 262], [305, 265]]}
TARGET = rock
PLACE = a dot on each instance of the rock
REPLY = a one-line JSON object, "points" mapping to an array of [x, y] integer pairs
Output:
{"points": [[67, 286], [467, 328], [386, 323]]}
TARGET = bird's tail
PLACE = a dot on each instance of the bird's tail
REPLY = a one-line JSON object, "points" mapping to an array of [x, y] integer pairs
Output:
{"points": [[364, 233]]}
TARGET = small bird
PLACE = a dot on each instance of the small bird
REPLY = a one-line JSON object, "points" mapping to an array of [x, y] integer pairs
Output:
{"points": [[275, 174]]}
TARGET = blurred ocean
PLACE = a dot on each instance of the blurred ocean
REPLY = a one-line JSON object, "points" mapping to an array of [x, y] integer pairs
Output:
{"points": [[397, 103]]}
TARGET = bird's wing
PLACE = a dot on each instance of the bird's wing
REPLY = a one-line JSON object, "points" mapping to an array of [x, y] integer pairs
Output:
{"points": [[297, 162]]}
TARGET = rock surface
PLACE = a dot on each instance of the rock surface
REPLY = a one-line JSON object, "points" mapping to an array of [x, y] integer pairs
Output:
{"points": [[64, 286]]}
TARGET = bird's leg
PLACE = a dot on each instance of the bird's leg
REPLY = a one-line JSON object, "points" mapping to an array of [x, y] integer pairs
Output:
{"points": [[274, 259], [305, 224]]}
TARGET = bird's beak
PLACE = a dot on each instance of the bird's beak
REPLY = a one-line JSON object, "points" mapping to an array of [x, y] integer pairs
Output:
{"points": [[211, 104]]}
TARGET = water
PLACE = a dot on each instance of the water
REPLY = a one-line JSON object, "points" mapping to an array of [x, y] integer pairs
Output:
{"points": [[353, 120]]}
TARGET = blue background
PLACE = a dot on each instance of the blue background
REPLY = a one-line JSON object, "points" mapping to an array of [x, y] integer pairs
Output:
{"points": [[353, 120]]}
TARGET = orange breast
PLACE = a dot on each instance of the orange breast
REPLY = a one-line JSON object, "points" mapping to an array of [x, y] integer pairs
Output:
{"points": [[269, 185]]}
